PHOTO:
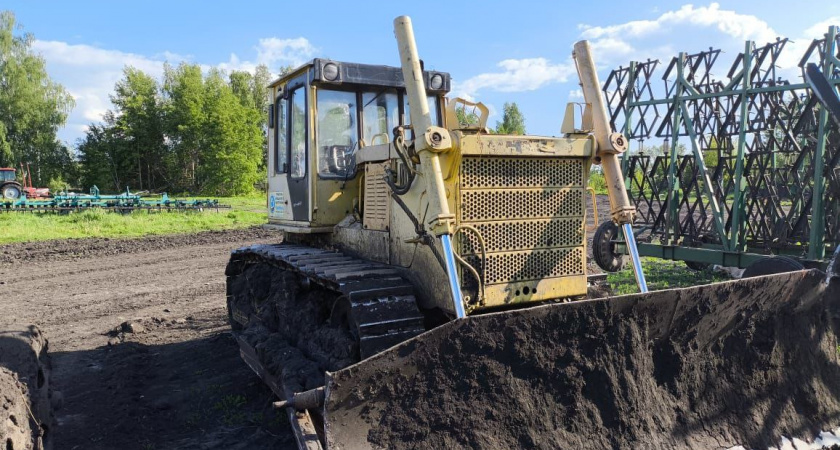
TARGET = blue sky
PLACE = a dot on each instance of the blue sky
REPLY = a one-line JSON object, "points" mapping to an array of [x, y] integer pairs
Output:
{"points": [[496, 51]]}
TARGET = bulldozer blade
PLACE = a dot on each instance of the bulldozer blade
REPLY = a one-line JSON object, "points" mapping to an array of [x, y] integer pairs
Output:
{"points": [[737, 363]]}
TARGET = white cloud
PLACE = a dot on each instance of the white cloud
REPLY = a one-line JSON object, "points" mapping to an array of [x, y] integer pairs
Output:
{"points": [[690, 28], [272, 51], [694, 27], [618, 44], [742, 26], [517, 75], [819, 29], [89, 73]]}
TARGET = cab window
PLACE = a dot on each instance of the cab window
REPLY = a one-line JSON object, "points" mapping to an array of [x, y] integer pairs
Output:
{"points": [[337, 133], [298, 135], [280, 145], [433, 110], [381, 114]]}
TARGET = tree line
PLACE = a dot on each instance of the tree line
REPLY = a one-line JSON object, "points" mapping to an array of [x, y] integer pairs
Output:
{"points": [[196, 130], [32, 108], [192, 132]]}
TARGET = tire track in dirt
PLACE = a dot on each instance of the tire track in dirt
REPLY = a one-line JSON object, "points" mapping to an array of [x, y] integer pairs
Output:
{"points": [[178, 382]]}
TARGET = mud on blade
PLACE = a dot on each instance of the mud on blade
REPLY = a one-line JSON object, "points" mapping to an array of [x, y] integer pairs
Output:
{"points": [[737, 363]]}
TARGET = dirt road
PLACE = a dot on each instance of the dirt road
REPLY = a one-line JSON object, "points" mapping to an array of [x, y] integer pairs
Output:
{"points": [[137, 331]]}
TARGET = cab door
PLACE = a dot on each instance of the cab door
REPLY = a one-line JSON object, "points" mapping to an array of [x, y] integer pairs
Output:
{"points": [[288, 196], [298, 139], [279, 206]]}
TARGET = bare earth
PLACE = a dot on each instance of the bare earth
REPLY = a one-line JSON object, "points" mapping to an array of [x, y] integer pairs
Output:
{"points": [[137, 330], [170, 377]]}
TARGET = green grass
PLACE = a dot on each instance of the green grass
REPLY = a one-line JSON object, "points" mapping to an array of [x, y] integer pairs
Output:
{"points": [[598, 183], [661, 274], [28, 227]]}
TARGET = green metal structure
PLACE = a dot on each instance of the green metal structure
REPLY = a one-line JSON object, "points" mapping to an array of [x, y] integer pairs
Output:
{"points": [[760, 175], [125, 202]]}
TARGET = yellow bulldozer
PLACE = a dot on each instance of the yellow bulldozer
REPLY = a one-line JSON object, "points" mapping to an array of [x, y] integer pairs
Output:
{"points": [[429, 290]]}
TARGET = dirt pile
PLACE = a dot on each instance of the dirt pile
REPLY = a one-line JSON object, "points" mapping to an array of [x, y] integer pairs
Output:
{"points": [[26, 414], [738, 363]]}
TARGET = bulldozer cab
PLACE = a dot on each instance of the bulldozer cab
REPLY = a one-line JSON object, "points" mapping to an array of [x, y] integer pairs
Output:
{"points": [[320, 116]]}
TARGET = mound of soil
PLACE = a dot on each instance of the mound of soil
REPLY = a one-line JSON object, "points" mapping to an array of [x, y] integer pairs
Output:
{"points": [[738, 363], [72, 249], [26, 415]]}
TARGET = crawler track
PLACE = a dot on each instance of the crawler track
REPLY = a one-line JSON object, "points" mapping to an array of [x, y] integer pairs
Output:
{"points": [[375, 300], [299, 311]]}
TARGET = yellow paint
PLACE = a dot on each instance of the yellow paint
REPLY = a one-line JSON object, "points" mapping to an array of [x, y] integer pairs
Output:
{"points": [[546, 289]]}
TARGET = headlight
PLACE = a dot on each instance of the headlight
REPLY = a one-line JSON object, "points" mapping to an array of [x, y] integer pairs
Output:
{"points": [[436, 82], [330, 72]]}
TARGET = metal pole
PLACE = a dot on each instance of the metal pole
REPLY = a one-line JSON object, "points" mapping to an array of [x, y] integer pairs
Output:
{"points": [[707, 181], [634, 257], [454, 284], [816, 246], [672, 213], [736, 226], [443, 221], [628, 120], [627, 228], [609, 146]]}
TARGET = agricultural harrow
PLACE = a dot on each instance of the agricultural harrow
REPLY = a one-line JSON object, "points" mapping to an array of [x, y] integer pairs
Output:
{"points": [[125, 202], [761, 174]]}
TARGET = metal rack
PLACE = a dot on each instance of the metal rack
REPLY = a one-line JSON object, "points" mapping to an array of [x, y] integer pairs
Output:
{"points": [[761, 174]]}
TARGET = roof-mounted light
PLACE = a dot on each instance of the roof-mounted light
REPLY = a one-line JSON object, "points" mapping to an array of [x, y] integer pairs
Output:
{"points": [[330, 72], [436, 82]]}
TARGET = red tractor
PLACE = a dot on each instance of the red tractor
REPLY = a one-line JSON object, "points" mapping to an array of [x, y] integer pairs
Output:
{"points": [[10, 189]]}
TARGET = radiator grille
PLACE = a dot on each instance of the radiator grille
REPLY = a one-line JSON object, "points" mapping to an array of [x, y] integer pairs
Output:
{"points": [[501, 204], [531, 265], [523, 234], [529, 212], [521, 172]]}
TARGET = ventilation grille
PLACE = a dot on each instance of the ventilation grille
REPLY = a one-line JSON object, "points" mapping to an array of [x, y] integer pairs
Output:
{"points": [[487, 172], [522, 234], [377, 201], [503, 204], [531, 265], [529, 212]]}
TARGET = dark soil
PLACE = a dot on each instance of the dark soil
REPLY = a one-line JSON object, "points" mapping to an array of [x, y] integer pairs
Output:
{"points": [[26, 399], [140, 342], [75, 249], [738, 363]]}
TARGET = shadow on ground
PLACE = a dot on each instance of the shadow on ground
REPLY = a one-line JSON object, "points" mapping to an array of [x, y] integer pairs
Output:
{"points": [[194, 394]]}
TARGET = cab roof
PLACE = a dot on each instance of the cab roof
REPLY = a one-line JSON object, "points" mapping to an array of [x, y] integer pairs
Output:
{"points": [[321, 72]]}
